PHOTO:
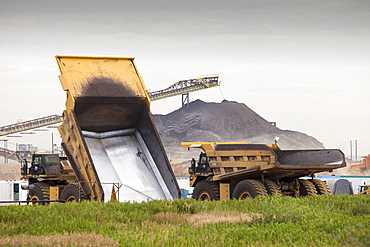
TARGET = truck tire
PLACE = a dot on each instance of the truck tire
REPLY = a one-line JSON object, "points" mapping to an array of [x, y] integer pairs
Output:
{"points": [[204, 191], [321, 187], [249, 188], [272, 188], [39, 192], [306, 188], [72, 193]]}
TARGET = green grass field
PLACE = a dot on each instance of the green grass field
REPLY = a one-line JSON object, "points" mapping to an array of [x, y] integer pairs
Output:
{"points": [[339, 220]]}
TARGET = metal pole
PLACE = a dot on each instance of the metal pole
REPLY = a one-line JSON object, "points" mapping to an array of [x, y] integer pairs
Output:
{"points": [[356, 149], [185, 99], [6, 147], [52, 142], [350, 147]]}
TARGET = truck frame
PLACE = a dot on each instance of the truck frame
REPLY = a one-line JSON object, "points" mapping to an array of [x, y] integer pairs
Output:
{"points": [[242, 170]]}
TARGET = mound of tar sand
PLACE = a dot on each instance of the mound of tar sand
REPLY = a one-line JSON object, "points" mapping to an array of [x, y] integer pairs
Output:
{"points": [[223, 122]]}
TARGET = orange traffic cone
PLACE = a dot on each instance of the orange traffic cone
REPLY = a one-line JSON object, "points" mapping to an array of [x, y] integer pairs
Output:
{"points": [[113, 197]]}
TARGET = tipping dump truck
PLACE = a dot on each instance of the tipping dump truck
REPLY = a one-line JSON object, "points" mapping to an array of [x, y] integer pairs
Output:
{"points": [[108, 136], [242, 170]]}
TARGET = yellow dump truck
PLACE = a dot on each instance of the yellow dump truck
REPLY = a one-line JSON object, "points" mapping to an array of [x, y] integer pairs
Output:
{"points": [[242, 170], [108, 136]]}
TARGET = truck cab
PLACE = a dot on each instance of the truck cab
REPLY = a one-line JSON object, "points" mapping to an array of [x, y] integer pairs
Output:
{"points": [[200, 168], [43, 164]]}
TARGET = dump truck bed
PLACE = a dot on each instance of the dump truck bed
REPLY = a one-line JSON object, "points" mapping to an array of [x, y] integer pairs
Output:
{"points": [[293, 164], [108, 133], [243, 161]]}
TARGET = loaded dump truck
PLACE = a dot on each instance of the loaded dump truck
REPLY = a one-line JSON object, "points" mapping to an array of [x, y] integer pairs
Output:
{"points": [[108, 136], [242, 170]]}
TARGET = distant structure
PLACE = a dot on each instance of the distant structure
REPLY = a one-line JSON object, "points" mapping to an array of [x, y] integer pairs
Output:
{"points": [[22, 153], [31, 124], [184, 87]]}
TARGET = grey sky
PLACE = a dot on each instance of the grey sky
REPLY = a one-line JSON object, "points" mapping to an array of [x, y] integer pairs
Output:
{"points": [[303, 64]]}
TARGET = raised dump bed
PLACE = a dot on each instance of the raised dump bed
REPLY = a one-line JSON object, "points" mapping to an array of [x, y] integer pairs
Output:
{"points": [[108, 133]]}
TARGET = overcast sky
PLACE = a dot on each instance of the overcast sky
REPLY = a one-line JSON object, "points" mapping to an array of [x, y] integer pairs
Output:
{"points": [[302, 64]]}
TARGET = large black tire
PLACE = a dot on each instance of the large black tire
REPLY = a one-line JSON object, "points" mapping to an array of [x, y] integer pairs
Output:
{"points": [[321, 187], [205, 191], [249, 188], [72, 193], [306, 188], [272, 188], [39, 192]]}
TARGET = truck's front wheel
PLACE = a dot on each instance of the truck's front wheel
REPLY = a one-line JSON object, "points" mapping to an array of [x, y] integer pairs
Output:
{"points": [[204, 191], [39, 192], [249, 188]]}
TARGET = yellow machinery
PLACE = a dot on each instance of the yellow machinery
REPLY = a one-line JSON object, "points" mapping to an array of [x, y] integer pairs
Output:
{"points": [[108, 134], [242, 170], [364, 189], [47, 175]]}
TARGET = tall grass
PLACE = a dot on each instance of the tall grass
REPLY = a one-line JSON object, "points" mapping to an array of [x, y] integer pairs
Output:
{"points": [[338, 220]]}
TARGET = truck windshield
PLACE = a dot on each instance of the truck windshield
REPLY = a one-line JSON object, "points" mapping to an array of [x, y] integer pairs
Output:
{"points": [[36, 160], [203, 159], [51, 159]]}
